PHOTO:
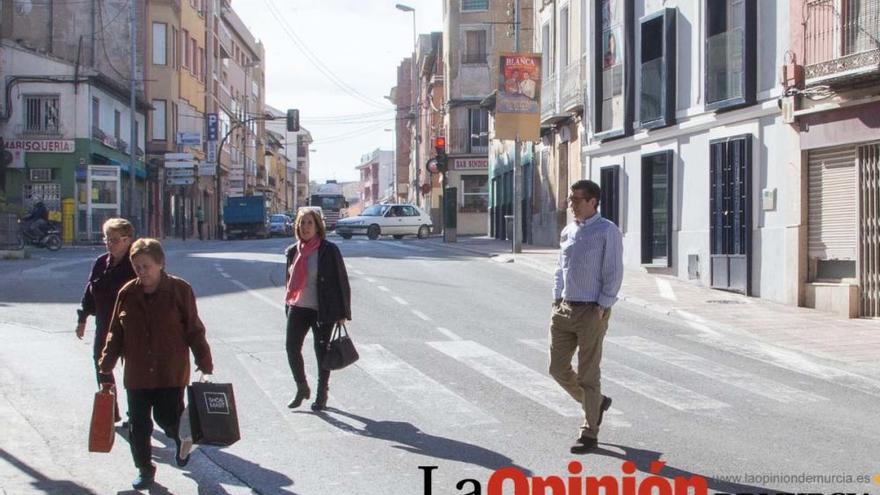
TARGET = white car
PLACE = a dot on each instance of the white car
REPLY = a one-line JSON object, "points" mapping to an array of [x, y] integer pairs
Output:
{"points": [[397, 220]]}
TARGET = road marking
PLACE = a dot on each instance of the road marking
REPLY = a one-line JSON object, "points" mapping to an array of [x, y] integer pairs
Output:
{"points": [[664, 392], [270, 302], [226, 275], [358, 272], [383, 288], [420, 392], [731, 376], [241, 256], [403, 245], [665, 289], [370, 280], [449, 333], [46, 270], [790, 360], [420, 315], [400, 301], [521, 379]]}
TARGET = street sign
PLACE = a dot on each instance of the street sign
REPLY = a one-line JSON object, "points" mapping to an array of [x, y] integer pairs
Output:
{"points": [[207, 169], [180, 181], [212, 122], [180, 164], [179, 172], [212, 152], [189, 138], [178, 157]]}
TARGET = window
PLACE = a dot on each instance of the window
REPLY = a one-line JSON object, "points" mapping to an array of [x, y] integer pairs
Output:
{"points": [[609, 202], [474, 194], [159, 43], [563, 37], [471, 5], [117, 124], [193, 50], [730, 53], [410, 211], [175, 49], [187, 54], [96, 115], [657, 89], [478, 124], [613, 69], [159, 123], [546, 51], [203, 64], [657, 208], [41, 115], [475, 47]]}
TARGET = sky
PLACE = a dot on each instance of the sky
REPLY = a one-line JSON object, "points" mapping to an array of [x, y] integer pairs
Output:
{"points": [[358, 45]]}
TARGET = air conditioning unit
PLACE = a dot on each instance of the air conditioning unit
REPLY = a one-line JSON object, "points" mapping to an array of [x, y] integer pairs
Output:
{"points": [[41, 175]]}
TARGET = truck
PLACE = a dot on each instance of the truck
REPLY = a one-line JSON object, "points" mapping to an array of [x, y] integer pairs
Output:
{"points": [[245, 216], [330, 199]]}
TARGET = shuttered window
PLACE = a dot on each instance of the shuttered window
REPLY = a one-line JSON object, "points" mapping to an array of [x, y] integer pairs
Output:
{"points": [[833, 204]]}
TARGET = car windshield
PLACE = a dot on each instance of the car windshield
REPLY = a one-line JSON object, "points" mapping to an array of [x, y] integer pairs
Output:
{"points": [[278, 218], [375, 211]]}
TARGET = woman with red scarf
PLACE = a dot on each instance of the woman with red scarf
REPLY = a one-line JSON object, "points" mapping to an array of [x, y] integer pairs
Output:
{"points": [[318, 297]]}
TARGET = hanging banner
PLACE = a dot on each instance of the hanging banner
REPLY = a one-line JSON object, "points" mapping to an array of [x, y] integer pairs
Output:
{"points": [[518, 106]]}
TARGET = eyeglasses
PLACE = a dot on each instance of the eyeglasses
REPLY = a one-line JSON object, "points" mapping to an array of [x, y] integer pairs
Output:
{"points": [[114, 240]]}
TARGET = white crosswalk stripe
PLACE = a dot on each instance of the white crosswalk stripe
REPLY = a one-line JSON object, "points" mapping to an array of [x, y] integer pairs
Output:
{"points": [[724, 374], [517, 377], [666, 393], [420, 392], [790, 360]]}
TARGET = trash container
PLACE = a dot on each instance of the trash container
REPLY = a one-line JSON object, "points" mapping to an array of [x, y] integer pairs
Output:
{"points": [[508, 227]]}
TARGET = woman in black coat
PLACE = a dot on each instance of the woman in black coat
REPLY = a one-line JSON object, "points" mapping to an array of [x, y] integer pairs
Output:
{"points": [[109, 273], [318, 297]]}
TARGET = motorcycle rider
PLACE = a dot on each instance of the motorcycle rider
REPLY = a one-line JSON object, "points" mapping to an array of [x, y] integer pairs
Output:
{"points": [[37, 221]]}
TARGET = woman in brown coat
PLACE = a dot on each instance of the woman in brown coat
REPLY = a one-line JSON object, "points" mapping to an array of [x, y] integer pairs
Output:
{"points": [[154, 326]]}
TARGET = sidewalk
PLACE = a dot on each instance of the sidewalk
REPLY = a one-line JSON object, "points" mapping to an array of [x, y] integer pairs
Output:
{"points": [[855, 342]]}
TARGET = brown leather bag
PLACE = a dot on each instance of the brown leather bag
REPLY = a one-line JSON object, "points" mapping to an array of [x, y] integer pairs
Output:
{"points": [[102, 432]]}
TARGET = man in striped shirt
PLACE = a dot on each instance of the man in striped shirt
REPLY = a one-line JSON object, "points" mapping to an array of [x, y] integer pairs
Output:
{"points": [[588, 275]]}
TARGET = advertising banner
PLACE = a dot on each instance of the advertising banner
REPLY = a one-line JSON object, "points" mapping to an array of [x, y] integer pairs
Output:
{"points": [[518, 107]]}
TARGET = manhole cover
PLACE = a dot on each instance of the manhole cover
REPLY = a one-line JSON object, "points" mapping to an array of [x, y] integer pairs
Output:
{"points": [[723, 301]]}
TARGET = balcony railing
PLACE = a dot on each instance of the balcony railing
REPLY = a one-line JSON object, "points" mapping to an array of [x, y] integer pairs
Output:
{"points": [[465, 140], [841, 40], [571, 94], [548, 97], [40, 132]]}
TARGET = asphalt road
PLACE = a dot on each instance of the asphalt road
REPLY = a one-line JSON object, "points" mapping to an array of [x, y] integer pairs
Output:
{"points": [[452, 374]]}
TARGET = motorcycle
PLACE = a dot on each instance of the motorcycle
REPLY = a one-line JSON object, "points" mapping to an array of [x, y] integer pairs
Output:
{"points": [[51, 240]]}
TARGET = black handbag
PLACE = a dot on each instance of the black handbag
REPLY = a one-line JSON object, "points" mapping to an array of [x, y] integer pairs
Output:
{"points": [[340, 351], [212, 414]]}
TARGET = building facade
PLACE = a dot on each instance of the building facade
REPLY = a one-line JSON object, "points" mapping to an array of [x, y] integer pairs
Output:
{"points": [[376, 179]]}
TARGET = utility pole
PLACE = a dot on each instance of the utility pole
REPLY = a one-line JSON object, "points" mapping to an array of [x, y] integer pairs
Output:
{"points": [[517, 167], [132, 210]]}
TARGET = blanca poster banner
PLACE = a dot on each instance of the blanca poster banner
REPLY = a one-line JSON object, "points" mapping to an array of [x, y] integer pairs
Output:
{"points": [[518, 106]]}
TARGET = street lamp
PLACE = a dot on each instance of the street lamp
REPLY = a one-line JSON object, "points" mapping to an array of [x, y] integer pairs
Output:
{"points": [[416, 90]]}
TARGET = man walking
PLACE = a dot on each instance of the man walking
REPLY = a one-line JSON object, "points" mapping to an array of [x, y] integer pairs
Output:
{"points": [[588, 275], [200, 221]]}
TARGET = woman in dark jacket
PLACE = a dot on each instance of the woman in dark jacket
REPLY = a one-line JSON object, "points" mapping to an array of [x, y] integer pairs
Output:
{"points": [[109, 273], [318, 297]]}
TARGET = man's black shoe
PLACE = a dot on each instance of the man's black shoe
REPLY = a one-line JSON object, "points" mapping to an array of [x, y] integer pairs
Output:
{"points": [[584, 445], [144, 479], [606, 404]]}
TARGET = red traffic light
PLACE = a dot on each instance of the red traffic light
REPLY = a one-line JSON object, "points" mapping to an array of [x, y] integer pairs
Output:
{"points": [[440, 144]]}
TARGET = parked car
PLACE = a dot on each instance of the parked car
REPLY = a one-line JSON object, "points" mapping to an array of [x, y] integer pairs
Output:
{"points": [[280, 224], [397, 220]]}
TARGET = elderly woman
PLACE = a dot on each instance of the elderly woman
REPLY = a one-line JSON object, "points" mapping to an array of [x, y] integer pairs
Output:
{"points": [[110, 272], [318, 297], [154, 326]]}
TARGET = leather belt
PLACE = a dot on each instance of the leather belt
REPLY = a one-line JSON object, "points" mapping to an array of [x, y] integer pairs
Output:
{"points": [[579, 303]]}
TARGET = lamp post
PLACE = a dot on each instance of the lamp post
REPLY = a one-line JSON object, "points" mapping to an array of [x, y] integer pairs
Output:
{"points": [[415, 89]]}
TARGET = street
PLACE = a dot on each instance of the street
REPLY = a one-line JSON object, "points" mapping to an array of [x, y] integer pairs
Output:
{"points": [[452, 374]]}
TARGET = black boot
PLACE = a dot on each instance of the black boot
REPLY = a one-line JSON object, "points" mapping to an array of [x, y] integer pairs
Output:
{"points": [[302, 392], [320, 398], [145, 478]]}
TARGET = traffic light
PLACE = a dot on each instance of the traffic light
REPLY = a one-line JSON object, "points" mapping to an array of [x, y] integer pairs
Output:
{"points": [[441, 159], [293, 120]]}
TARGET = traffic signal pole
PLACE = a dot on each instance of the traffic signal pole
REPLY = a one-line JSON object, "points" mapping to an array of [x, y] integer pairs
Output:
{"points": [[517, 166]]}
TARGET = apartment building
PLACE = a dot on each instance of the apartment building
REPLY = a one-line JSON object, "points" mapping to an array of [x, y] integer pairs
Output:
{"points": [[376, 180], [402, 96], [431, 123]]}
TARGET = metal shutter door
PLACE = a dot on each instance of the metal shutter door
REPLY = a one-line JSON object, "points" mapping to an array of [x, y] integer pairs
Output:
{"points": [[832, 227]]}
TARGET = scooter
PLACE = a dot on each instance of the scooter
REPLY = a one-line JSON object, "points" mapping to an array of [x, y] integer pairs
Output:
{"points": [[51, 240]]}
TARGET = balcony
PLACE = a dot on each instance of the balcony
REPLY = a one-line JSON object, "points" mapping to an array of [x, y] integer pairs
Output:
{"points": [[571, 97], [225, 41], [51, 131], [548, 97], [841, 41], [464, 141]]}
